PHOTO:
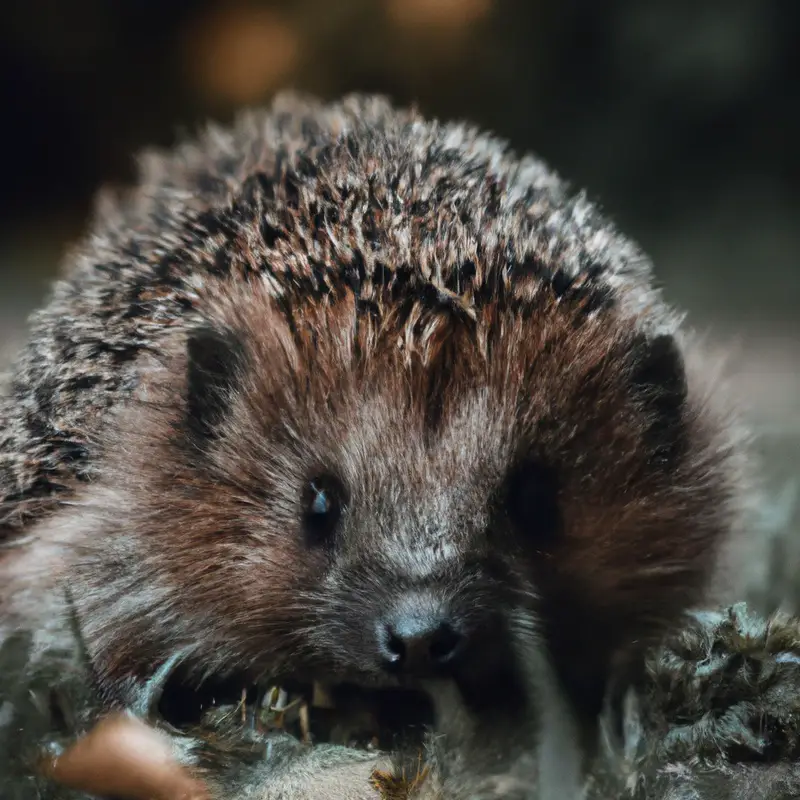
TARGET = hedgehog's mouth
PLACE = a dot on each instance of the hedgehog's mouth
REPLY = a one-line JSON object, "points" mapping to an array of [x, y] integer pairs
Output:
{"points": [[346, 714]]}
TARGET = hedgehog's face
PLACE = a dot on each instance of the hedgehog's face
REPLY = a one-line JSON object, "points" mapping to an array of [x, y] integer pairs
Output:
{"points": [[378, 498]]}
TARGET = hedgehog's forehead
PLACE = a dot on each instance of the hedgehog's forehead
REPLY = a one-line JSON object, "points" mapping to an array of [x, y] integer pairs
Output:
{"points": [[412, 303], [419, 339], [383, 446], [408, 372]]}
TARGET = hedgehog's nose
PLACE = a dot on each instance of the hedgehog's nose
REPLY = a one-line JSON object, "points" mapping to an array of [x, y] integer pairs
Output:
{"points": [[419, 639]]}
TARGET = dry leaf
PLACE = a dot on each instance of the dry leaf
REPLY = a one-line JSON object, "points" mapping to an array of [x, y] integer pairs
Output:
{"points": [[122, 757]]}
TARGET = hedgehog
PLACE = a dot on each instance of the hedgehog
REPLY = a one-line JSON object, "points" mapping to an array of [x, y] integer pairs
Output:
{"points": [[341, 395]]}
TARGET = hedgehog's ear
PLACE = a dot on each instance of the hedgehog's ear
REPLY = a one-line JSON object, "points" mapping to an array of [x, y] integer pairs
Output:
{"points": [[659, 381], [214, 361], [659, 371]]}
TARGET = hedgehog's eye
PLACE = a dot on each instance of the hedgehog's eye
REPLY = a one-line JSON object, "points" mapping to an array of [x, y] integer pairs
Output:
{"points": [[323, 501], [533, 501]]}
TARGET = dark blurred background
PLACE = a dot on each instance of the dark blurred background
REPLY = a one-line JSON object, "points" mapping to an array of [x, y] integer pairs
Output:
{"points": [[681, 116]]}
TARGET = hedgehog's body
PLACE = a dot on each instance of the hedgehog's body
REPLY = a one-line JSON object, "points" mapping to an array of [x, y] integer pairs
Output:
{"points": [[341, 370]]}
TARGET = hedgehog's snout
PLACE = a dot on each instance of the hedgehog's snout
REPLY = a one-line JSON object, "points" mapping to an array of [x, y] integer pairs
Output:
{"points": [[419, 635]]}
